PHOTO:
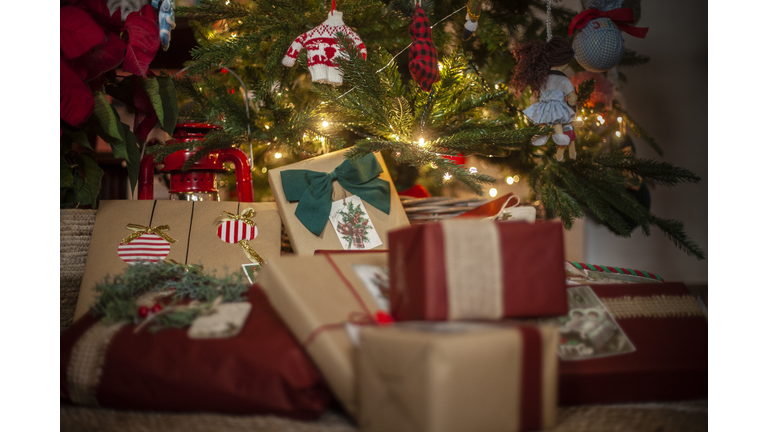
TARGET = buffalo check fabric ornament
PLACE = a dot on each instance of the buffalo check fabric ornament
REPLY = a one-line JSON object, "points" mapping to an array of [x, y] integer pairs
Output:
{"points": [[422, 58], [322, 48]]}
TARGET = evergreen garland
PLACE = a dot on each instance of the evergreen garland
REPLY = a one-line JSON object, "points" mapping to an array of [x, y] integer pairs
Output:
{"points": [[116, 297]]}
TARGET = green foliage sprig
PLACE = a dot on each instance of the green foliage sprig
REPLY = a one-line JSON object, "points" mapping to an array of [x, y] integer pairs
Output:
{"points": [[116, 299]]}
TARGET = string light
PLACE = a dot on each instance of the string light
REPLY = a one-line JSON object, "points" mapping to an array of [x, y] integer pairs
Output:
{"points": [[493, 192], [472, 170], [618, 134], [266, 127], [440, 66], [516, 178], [510, 180], [278, 155], [447, 176], [600, 118], [325, 124], [421, 142], [579, 118], [619, 119], [264, 170]]}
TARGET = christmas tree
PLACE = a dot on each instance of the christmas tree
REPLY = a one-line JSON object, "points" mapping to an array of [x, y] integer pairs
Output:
{"points": [[469, 110]]}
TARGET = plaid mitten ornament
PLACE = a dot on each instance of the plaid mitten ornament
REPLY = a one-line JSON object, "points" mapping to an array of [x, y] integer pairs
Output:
{"points": [[322, 48], [422, 58]]}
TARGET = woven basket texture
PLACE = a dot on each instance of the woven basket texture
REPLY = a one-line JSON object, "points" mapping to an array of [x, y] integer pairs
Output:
{"points": [[74, 239]]}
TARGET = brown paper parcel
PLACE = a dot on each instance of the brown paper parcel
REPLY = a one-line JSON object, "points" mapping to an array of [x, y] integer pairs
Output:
{"points": [[313, 300], [306, 243], [454, 377], [191, 225]]}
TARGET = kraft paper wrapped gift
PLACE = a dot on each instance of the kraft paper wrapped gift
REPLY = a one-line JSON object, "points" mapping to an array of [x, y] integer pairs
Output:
{"points": [[457, 377], [476, 269], [191, 224], [303, 240], [316, 296]]}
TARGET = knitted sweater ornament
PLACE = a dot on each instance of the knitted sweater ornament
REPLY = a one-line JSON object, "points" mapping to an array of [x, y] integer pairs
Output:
{"points": [[422, 58], [322, 48]]}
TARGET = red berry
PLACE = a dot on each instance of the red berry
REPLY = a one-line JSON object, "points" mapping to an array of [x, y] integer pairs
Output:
{"points": [[143, 311], [383, 318], [156, 308]]}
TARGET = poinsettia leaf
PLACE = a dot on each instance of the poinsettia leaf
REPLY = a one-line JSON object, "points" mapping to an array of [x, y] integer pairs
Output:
{"points": [[151, 88], [143, 40], [134, 156], [66, 178], [78, 32], [123, 91], [76, 101], [91, 180], [106, 56], [170, 104], [80, 137], [108, 125], [145, 117]]}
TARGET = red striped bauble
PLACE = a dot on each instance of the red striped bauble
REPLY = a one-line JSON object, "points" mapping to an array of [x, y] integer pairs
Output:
{"points": [[148, 247], [234, 231]]}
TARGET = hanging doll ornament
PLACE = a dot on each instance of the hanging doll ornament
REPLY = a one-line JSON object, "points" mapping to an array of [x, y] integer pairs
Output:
{"points": [[599, 45], [540, 65], [422, 58], [323, 47], [166, 20]]}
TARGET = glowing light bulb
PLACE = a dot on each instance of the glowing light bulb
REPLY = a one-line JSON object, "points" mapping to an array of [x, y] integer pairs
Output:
{"points": [[234, 35], [510, 180], [619, 119], [325, 123], [447, 176], [264, 170], [278, 155], [227, 3], [600, 118], [472, 170], [618, 134], [266, 127], [421, 142], [579, 118], [440, 66], [516, 178], [397, 138], [322, 139], [602, 121], [496, 86], [493, 192]]}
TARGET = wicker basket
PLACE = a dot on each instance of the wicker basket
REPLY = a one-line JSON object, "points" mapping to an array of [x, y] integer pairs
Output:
{"points": [[421, 210], [75, 237]]}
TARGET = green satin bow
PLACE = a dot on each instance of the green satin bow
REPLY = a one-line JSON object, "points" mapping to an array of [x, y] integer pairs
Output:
{"points": [[314, 192]]}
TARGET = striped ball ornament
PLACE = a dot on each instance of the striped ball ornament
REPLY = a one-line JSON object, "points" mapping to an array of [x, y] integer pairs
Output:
{"points": [[235, 231], [149, 247]]}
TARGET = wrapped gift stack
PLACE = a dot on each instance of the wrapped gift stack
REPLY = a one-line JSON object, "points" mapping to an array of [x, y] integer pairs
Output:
{"points": [[472, 323]]}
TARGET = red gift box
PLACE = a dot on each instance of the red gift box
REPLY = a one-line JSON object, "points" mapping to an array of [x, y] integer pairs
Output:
{"points": [[669, 361], [261, 370], [475, 269]]}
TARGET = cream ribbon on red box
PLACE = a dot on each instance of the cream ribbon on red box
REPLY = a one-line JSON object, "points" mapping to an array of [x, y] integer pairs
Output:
{"points": [[474, 274]]}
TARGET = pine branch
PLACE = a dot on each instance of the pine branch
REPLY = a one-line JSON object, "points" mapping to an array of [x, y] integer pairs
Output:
{"points": [[631, 58]]}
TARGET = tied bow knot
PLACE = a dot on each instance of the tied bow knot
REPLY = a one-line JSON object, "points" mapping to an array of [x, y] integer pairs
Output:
{"points": [[314, 191], [621, 17], [140, 230], [244, 216]]}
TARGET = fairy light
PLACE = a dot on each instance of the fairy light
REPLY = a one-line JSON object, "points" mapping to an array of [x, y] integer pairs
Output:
{"points": [[510, 180], [472, 170], [278, 155], [227, 3], [447, 176], [619, 119], [579, 118], [264, 170], [322, 139], [602, 121], [266, 127], [493, 192], [516, 178], [421, 142], [496, 86], [599, 118], [440, 66], [618, 134], [325, 124]]}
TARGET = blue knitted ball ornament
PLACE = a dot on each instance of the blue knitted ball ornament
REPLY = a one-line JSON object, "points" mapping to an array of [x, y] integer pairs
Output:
{"points": [[599, 46]]}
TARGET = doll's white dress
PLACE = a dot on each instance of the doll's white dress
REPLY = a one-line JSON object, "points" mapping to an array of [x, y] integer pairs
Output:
{"points": [[552, 107]]}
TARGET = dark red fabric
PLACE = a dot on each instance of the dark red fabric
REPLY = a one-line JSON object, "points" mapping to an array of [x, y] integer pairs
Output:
{"points": [[531, 398], [416, 191], [263, 370], [422, 58], [621, 17], [670, 361], [533, 271]]}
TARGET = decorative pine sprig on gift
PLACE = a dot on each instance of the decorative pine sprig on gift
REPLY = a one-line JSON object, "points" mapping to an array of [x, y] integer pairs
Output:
{"points": [[117, 296]]}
